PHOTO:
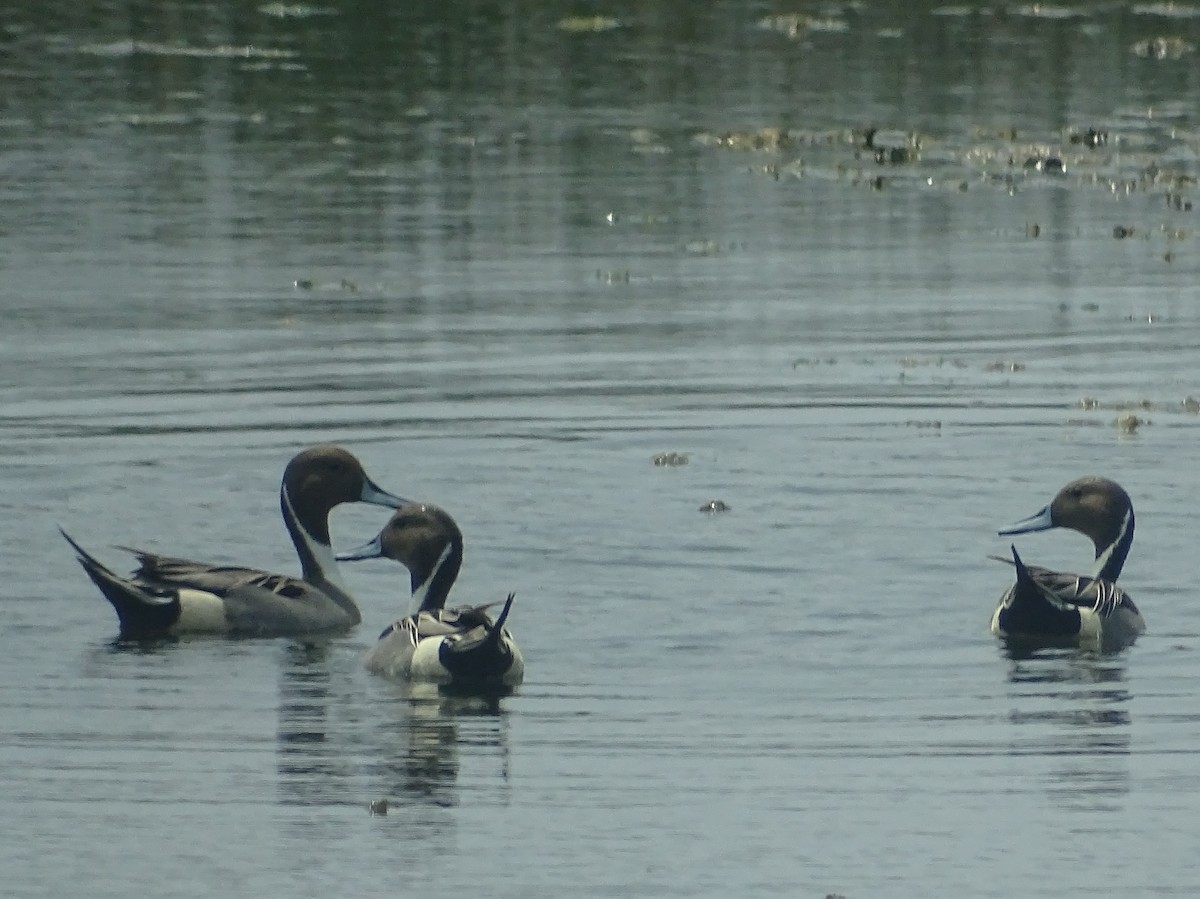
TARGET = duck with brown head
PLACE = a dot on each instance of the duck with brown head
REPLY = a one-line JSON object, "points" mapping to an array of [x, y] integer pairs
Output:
{"points": [[461, 647], [1056, 608], [170, 596]]}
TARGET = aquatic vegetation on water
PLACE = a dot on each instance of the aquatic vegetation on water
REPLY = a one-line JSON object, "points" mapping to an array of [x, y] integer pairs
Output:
{"points": [[671, 460], [1163, 47], [585, 24], [1128, 423]]}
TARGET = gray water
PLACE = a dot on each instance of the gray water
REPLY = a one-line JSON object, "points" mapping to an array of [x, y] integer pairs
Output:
{"points": [[507, 257]]}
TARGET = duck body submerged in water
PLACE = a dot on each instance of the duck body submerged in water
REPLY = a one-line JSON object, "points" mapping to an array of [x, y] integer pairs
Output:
{"points": [[1056, 608], [460, 647], [169, 596]]}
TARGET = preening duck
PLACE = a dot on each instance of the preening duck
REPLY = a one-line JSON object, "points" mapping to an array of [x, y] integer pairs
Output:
{"points": [[1057, 608], [461, 647], [173, 596]]}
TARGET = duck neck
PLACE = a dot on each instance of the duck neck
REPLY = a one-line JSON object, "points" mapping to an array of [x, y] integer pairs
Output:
{"points": [[431, 588], [1110, 559], [310, 536]]}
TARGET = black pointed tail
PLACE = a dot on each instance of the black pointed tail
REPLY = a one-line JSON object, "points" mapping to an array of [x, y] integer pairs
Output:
{"points": [[143, 610], [482, 656], [496, 630], [1024, 578]]}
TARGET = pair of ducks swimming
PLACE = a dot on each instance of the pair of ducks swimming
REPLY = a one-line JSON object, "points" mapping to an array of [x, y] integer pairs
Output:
{"points": [[169, 596], [175, 596]]}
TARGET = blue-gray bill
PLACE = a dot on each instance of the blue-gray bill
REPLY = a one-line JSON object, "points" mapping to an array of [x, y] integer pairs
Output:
{"points": [[1040, 521], [372, 549]]}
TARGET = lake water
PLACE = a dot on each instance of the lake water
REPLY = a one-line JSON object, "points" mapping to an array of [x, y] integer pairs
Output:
{"points": [[506, 256]]}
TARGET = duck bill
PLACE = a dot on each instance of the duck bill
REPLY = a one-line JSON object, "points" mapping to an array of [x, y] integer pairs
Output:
{"points": [[372, 549], [1042, 521], [375, 495]]}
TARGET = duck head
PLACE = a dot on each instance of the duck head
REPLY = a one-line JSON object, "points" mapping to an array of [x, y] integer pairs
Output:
{"points": [[323, 477], [1096, 507], [425, 540]]}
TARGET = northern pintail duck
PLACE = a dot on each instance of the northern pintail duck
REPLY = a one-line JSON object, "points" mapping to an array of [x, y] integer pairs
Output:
{"points": [[1045, 606], [460, 647], [172, 596]]}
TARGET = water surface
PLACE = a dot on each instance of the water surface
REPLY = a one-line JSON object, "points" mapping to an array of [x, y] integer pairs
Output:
{"points": [[508, 256]]}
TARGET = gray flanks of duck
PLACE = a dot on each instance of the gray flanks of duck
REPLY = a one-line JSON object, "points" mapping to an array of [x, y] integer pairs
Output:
{"points": [[1047, 607], [460, 647], [169, 596]]}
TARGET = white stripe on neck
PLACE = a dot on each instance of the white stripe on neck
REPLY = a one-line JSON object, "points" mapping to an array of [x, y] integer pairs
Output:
{"points": [[1103, 558], [322, 553], [418, 596]]}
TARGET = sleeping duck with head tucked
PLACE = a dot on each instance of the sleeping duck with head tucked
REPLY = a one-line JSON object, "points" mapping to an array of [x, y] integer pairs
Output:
{"points": [[168, 596], [461, 647], [1054, 608]]}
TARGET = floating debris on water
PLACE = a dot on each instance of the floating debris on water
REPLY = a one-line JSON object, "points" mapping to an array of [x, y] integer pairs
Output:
{"points": [[1178, 201], [930, 361], [1128, 423], [715, 505], [643, 219], [702, 247], [1191, 404], [891, 147], [588, 24], [791, 25], [648, 142], [899, 157], [378, 807], [894, 155], [1120, 232], [1090, 138], [1047, 11], [294, 10], [309, 284], [1162, 47], [671, 460], [769, 139], [829, 25], [1088, 402], [1007, 367], [1050, 165]]}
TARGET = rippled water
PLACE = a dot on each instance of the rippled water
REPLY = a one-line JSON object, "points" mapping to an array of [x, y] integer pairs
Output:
{"points": [[507, 257]]}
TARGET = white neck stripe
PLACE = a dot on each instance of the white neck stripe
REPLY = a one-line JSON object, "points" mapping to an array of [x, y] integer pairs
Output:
{"points": [[322, 554], [418, 596], [1102, 560]]}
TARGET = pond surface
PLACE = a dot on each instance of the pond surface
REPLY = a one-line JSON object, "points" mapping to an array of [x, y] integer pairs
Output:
{"points": [[507, 256]]}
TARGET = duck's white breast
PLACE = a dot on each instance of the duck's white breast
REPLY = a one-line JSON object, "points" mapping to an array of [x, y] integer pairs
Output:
{"points": [[426, 662]]}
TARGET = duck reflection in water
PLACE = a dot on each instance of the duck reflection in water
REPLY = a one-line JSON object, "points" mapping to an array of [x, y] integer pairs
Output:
{"points": [[339, 745], [429, 737], [1071, 709]]}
